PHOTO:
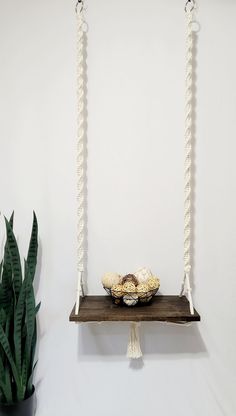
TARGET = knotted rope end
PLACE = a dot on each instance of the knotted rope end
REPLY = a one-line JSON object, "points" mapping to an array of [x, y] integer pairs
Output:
{"points": [[134, 350]]}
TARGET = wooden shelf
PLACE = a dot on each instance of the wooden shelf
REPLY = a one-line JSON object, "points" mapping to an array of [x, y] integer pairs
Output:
{"points": [[162, 308]]}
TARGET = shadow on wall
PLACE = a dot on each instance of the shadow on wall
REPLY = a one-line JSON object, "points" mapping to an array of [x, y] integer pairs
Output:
{"points": [[110, 339]]}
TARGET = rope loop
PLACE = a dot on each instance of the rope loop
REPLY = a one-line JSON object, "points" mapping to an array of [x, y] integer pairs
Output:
{"points": [[190, 6], [81, 3]]}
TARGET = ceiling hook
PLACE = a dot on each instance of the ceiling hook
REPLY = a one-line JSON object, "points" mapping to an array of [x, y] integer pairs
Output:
{"points": [[190, 6], [81, 3]]}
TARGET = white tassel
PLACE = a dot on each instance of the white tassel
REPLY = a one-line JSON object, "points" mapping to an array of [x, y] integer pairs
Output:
{"points": [[134, 349]]}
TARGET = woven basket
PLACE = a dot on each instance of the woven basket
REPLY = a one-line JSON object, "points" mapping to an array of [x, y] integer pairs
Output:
{"points": [[131, 299]]}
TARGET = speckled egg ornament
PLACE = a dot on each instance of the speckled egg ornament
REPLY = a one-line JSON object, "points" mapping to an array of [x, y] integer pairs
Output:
{"points": [[131, 300], [143, 275], [111, 279]]}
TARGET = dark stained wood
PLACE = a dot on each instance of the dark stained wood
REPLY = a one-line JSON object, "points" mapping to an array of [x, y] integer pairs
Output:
{"points": [[162, 308]]}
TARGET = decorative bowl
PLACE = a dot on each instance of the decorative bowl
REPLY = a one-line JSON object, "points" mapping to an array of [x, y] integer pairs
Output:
{"points": [[131, 299]]}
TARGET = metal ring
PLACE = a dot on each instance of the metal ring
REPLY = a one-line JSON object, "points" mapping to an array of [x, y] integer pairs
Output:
{"points": [[81, 2], [191, 4]]}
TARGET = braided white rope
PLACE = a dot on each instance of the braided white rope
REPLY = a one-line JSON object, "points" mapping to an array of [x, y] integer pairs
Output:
{"points": [[80, 156], [186, 287]]}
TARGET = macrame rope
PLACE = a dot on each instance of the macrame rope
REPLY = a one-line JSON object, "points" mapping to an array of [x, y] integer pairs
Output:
{"points": [[134, 349], [186, 287], [80, 155]]}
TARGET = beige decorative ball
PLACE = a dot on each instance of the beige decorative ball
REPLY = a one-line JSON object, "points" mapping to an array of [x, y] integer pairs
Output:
{"points": [[131, 300], [129, 287], [143, 275], [117, 291], [110, 279], [153, 283]]}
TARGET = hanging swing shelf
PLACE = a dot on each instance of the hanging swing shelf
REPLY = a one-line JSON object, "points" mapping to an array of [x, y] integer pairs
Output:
{"points": [[175, 309], [163, 308]]}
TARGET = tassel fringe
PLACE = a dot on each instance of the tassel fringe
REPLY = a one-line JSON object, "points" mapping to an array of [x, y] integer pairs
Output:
{"points": [[134, 349]]}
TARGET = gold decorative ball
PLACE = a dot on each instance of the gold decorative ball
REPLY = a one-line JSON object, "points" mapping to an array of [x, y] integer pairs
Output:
{"points": [[142, 289], [129, 287], [143, 292], [117, 291], [110, 279], [153, 283]]}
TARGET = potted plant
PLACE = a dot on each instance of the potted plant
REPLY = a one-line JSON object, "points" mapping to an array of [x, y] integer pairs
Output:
{"points": [[18, 327]]}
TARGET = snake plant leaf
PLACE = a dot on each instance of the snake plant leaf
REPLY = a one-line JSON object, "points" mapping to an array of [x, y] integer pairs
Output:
{"points": [[37, 308], [8, 390], [24, 331], [6, 292], [6, 281], [1, 367], [33, 247], [30, 380], [11, 220], [24, 371], [15, 259], [30, 317], [3, 317], [1, 292], [9, 321], [7, 259], [6, 347], [33, 348], [6, 274], [18, 320], [7, 396]]}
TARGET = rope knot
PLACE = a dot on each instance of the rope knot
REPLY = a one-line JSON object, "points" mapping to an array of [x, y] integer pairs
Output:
{"points": [[187, 269]]}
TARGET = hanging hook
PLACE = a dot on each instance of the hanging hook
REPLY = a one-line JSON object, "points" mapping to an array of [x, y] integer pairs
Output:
{"points": [[190, 6], [81, 3]]}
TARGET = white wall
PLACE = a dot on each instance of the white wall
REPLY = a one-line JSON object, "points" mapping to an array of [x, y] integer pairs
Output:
{"points": [[135, 181]]}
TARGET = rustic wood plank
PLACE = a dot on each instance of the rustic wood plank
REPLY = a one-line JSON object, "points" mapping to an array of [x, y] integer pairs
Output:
{"points": [[162, 308]]}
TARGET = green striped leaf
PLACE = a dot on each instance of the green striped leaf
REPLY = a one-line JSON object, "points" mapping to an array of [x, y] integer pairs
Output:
{"points": [[8, 390], [24, 371], [1, 293], [14, 258], [33, 248], [1, 367], [11, 220], [30, 381], [9, 321], [6, 282], [6, 347], [18, 321], [37, 308], [5, 392], [33, 348], [1, 264], [30, 317], [3, 317], [6, 274]]}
